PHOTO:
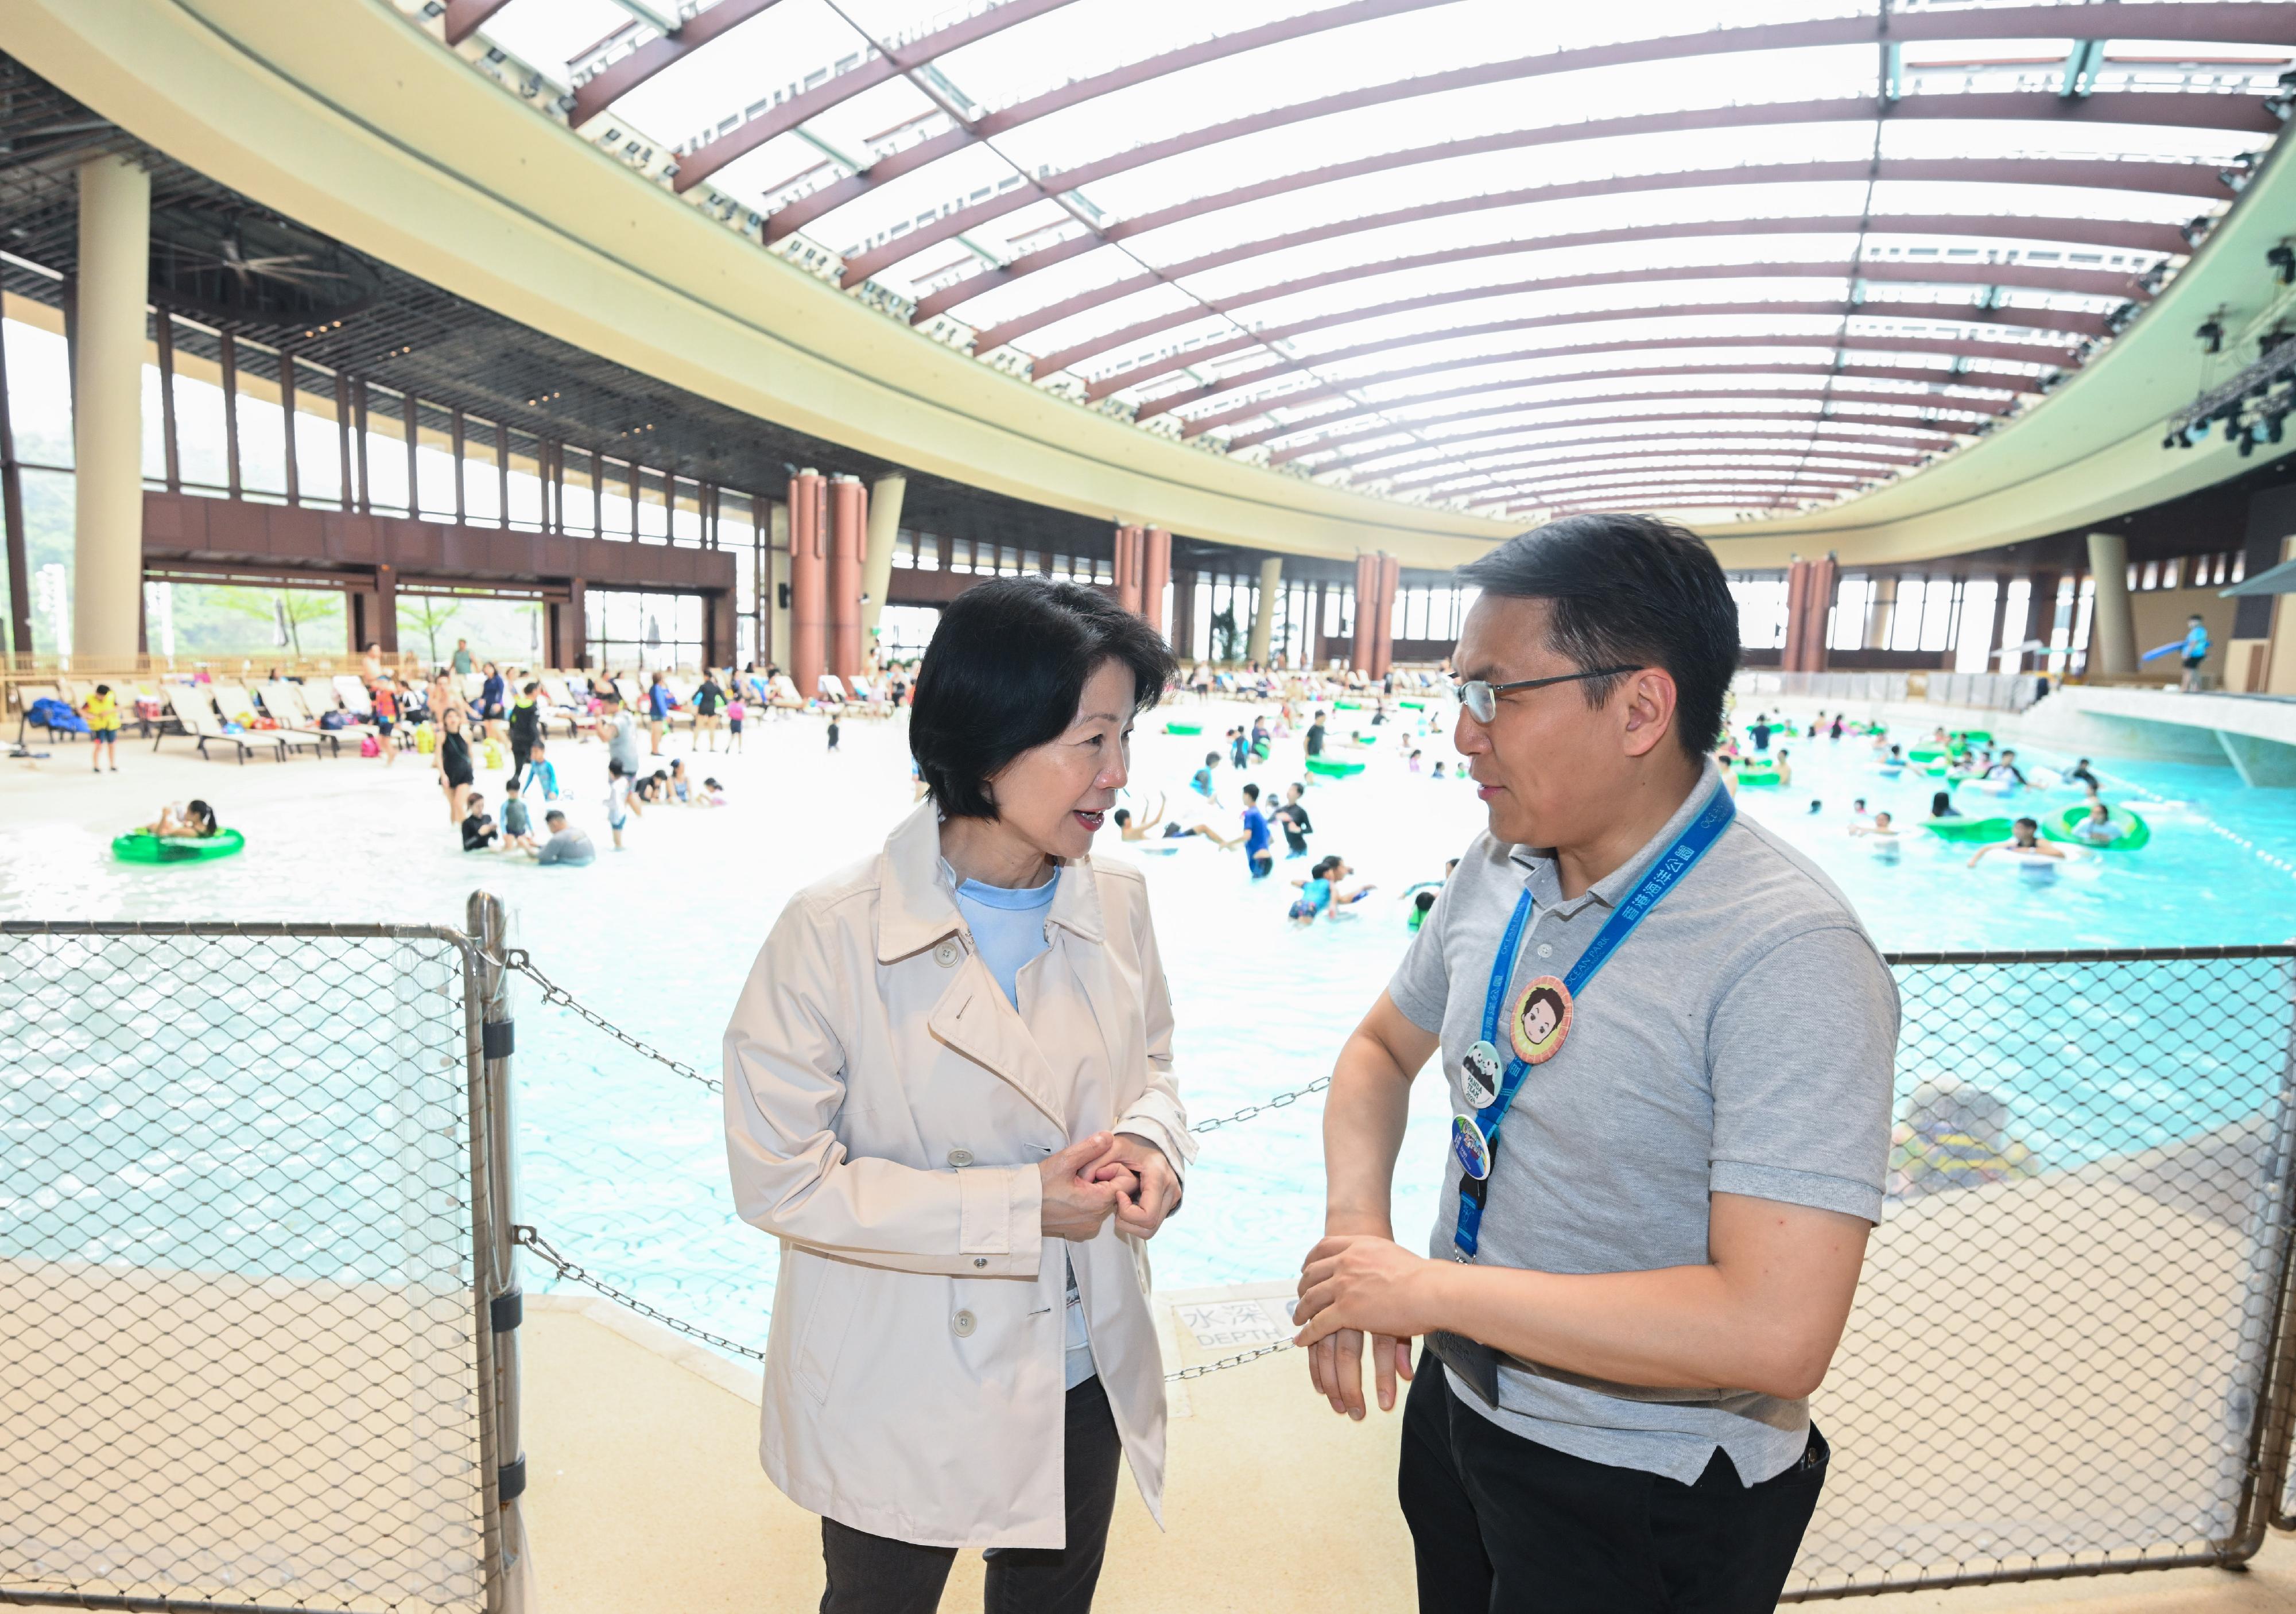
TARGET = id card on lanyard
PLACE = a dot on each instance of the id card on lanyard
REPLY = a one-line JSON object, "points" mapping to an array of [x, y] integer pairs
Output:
{"points": [[1537, 1020]]}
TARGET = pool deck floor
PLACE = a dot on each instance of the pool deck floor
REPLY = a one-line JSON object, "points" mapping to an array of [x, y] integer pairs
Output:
{"points": [[645, 1493]]}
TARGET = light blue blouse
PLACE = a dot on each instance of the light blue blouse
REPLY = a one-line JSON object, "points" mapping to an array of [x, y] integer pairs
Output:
{"points": [[1008, 929]]}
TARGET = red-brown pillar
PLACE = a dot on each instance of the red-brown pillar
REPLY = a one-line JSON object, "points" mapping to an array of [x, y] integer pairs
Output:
{"points": [[575, 645], [808, 582], [1367, 610], [849, 545], [1155, 572], [1382, 649], [1128, 569]]}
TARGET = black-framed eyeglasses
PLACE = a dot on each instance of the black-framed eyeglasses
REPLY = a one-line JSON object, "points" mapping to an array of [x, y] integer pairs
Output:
{"points": [[1481, 698]]}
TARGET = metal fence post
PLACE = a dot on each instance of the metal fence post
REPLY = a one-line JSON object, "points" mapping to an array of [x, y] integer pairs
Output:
{"points": [[488, 928]]}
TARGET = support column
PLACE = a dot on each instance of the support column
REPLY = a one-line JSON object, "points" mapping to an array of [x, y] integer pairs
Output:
{"points": [[385, 611], [1365, 609], [1809, 603], [2040, 620], [11, 511], [809, 581], [848, 537], [1184, 614], [574, 633], [1128, 569], [1390, 573], [885, 497], [115, 252], [2113, 634], [1155, 573], [775, 652], [718, 629], [1263, 610]]}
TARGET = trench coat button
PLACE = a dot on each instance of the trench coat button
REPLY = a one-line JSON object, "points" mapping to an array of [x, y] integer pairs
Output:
{"points": [[946, 954], [980, 1260], [959, 1158], [962, 1322]]}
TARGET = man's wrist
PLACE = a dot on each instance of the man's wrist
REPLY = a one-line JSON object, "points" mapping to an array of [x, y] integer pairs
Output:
{"points": [[1340, 1220]]}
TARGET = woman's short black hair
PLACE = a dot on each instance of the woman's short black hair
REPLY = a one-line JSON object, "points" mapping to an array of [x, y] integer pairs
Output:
{"points": [[1628, 590], [1003, 674]]}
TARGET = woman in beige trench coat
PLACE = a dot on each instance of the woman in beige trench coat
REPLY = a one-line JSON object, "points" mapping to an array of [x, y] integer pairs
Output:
{"points": [[949, 1094]]}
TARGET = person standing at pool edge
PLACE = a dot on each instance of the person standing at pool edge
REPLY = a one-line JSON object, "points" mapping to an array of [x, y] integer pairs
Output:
{"points": [[949, 1093], [1693, 1155]]}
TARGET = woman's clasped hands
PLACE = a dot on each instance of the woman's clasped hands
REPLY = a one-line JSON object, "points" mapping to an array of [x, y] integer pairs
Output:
{"points": [[1108, 1173]]}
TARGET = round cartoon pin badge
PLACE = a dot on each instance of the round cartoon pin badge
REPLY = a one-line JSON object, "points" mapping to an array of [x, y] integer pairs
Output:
{"points": [[1539, 1020], [1473, 1148]]}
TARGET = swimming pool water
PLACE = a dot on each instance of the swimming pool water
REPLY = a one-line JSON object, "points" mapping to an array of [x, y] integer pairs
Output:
{"points": [[622, 1163]]}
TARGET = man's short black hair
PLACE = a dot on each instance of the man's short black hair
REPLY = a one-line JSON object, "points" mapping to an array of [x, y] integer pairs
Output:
{"points": [[1628, 590], [1003, 674]]}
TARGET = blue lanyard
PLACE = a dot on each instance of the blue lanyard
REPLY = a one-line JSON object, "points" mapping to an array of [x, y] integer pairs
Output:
{"points": [[1662, 876]]}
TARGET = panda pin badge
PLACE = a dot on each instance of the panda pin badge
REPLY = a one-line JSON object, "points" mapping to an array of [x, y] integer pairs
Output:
{"points": [[1478, 1075]]}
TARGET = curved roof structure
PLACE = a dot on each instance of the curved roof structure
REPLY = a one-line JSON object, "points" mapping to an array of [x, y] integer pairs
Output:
{"points": [[1320, 278], [1402, 244]]}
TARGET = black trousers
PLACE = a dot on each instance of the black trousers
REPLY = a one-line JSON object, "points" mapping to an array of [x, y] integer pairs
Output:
{"points": [[877, 1575], [1502, 1525]]}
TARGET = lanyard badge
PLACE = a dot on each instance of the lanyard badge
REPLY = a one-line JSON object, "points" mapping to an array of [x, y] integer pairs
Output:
{"points": [[1538, 1017]]}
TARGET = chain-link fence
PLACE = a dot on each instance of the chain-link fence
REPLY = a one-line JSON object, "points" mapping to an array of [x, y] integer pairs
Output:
{"points": [[248, 1293], [2070, 1351]]}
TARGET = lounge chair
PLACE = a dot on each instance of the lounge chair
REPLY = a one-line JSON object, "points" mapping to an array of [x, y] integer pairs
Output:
{"points": [[237, 706], [284, 702], [196, 715], [562, 708]]}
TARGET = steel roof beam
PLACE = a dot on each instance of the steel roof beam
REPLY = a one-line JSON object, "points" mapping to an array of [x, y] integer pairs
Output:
{"points": [[1644, 446], [2040, 318], [1641, 483], [1644, 487], [2126, 235], [609, 83], [2222, 21], [1815, 400], [1989, 381], [1601, 467], [2239, 113], [467, 17], [1763, 422], [2196, 179], [698, 165], [2034, 353], [807, 207]]}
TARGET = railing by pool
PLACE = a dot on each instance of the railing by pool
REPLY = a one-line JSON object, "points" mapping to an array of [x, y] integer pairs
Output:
{"points": [[256, 1286], [256, 1280]]}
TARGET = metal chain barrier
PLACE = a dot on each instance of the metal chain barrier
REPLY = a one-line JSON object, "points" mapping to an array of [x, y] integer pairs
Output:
{"points": [[1281, 1100], [517, 959], [1225, 1363], [532, 1239]]}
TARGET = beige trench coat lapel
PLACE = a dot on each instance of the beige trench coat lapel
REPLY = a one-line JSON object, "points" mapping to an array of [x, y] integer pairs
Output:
{"points": [[917, 910]]}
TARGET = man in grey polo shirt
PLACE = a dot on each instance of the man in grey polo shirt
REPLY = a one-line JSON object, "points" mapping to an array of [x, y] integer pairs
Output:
{"points": [[1612, 1414]]}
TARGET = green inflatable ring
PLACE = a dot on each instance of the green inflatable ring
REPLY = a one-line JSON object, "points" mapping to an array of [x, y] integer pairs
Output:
{"points": [[137, 847], [1417, 706], [1979, 736], [1184, 728], [1923, 753], [1757, 776], [1332, 768], [1970, 829], [1346, 706], [2134, 831]]}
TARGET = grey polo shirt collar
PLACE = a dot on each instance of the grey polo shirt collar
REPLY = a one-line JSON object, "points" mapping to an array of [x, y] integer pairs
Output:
{"points": [[1542, 875]]}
